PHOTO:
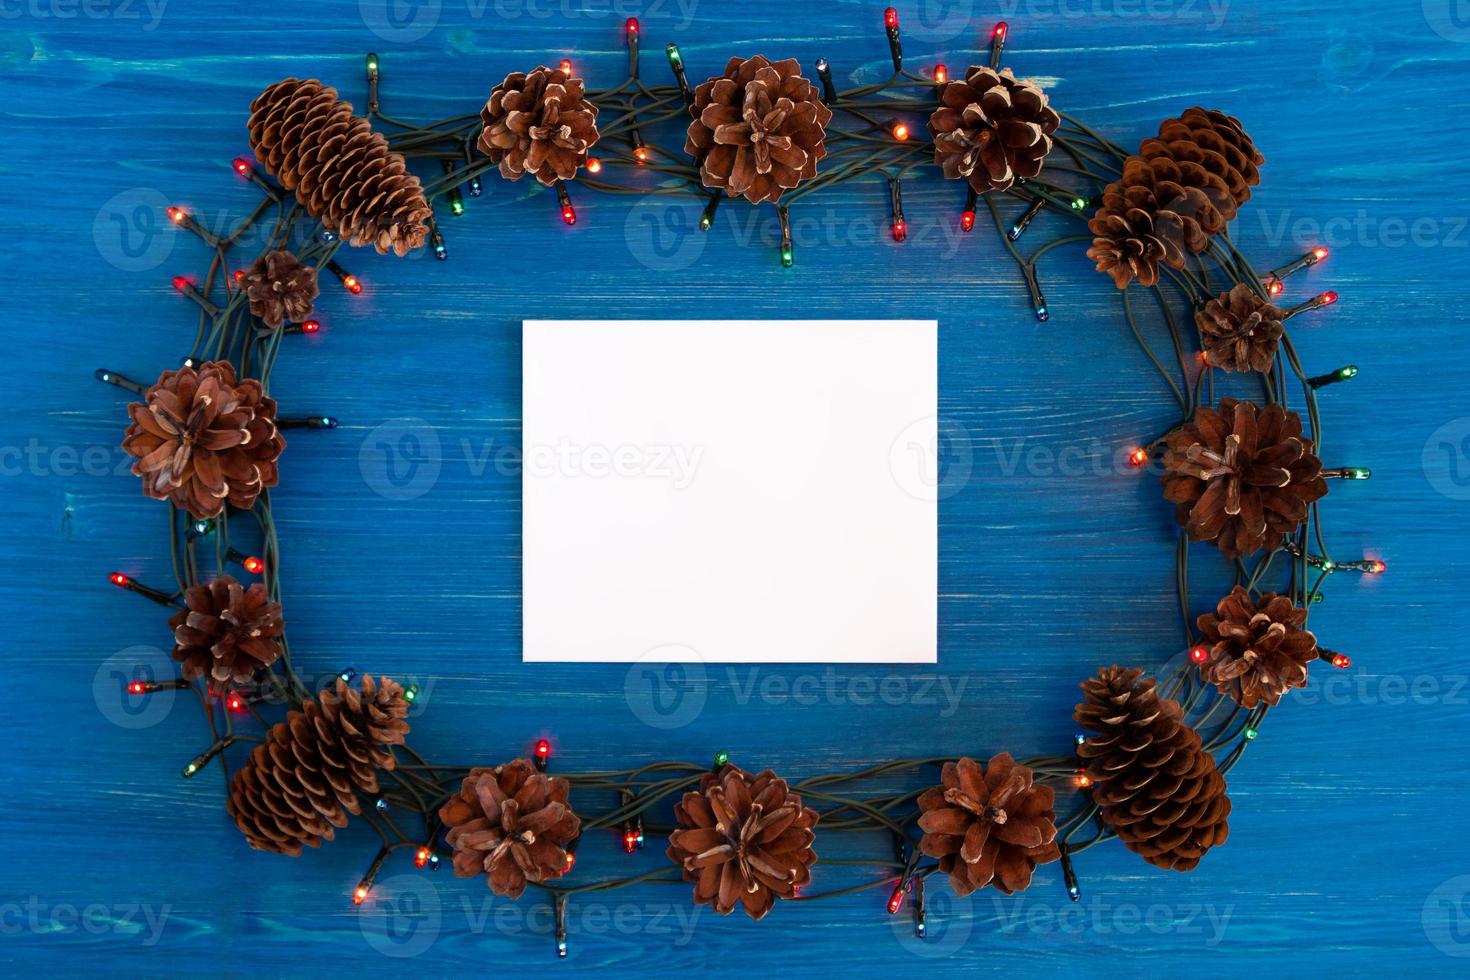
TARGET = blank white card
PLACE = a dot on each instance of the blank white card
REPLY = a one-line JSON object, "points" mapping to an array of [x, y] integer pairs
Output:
{"points": [[730, 491]]}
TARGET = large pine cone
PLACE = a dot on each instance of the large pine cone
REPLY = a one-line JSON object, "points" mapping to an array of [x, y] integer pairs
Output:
{"points": [[1155, 784], [992, 129], [538, 123], [1241, 477], [281, 288], [303, 780], [988, 828], [226, 632], [1218, 145], [511, 823], [342, 171], [758, 130], [201, 438], [743, 840], [1240, 331], [1257, 651], [1187, 183]]}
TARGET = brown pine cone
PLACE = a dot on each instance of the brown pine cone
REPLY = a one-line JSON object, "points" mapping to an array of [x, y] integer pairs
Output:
{"points": [[303, 780], [1148, 216], [281, 288], [538, 123], [988, 828], [226, 632], [201, 438], [1241, 477], [992, 129], [1218, 146], [512, 823], [758, 130], [1240, 331], [1256, 651], [743, 840], [342, 171], [1157, 787]]}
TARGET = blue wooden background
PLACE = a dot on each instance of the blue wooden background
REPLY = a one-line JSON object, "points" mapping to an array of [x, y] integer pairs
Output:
{"points": [[1347, 849]]}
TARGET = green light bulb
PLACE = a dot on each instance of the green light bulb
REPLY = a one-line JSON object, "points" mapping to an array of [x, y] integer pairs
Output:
{"points": [[191, 768], [1351, 371], [704, 222], [786, 257], [411, 692], [456, 206], [1250, 733], [372, 63], [721, 759], [673, 52]]}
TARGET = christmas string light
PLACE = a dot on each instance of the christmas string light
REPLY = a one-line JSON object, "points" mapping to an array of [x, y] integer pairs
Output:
{"points": [[997, 43], [365, 884], [1315, 303], [1019, 226], [895, 46], [349, 282], [184, 286], [127, 584], [824, 75]]}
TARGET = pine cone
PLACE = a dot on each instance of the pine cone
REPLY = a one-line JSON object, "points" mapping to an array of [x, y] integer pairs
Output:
{"points": [[201, 439], [280, 288], [342, 171], [758, 130], [1155, 784], [1257, 651], [303, 780], [1241, 477], [539, 124], [1240, 331], [1219, 146], [512, 823], [743, 839], [992, 129], [1148, 216], [226, 632], [988, 828]]}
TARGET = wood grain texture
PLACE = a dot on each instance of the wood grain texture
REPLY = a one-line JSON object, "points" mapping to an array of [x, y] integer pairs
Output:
{"points": [[1349, 810]]}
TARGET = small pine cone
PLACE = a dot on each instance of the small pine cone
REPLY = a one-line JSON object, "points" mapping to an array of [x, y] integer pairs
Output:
{"points": [[990, 827], [992, 129], [1217, 144], [1241, 477], [201, 438], [758, 130], [1257, 651], [1148, 216], [511, 823], [303, 780], [538, 123], [226, 632], [743, 840], [342, 171], [281, 288], [1157, 787], [1240, 331]]}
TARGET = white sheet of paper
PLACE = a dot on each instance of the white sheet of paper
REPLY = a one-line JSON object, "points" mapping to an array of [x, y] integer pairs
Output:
{"points": [[730, 491]]}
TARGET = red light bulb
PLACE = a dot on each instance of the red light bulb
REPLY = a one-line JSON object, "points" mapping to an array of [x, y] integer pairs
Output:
{"points": [[566, 67], [999, 34], [941, 74], [120, 580], [568, 215], [351, 282], [594, 165], [1328, 298], [900, 231], [641, 154], [176, 215], [1199, 655], [253, 565], [359, 894], [1276, 287], [630, 842], [311, 326], [632, 25], [1319, 253], [1083, 780], [421, 857], [1341, 661], [1376, 568], [890, 18], [543, 749], [181, 283], [900, 131], [234, 702], [1138, 457], [137, 687], [967, 220], [242, 166], [571, 863], [239, 276], [895, 901]]}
